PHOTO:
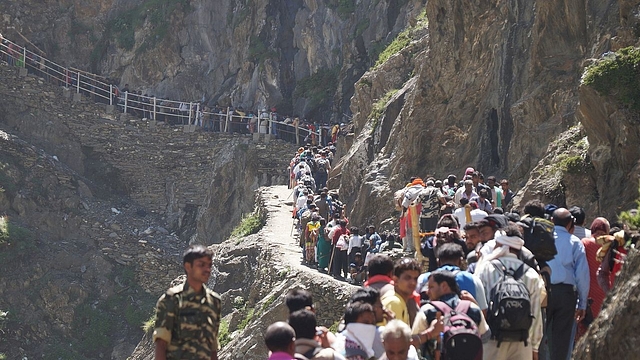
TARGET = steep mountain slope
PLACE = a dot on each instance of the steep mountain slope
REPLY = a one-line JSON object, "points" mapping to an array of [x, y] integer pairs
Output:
{"points": [[95, 211], [487, 85], [301, 56]]}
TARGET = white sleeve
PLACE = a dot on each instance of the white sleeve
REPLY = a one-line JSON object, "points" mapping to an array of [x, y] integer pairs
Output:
{"points": [[481, 297]]}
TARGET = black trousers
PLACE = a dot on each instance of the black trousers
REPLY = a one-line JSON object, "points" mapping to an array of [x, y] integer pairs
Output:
{"points": [[561, 310], [340, 264]]}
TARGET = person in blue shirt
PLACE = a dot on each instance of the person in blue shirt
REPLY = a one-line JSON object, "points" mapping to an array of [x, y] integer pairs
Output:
{"points": [[569, 286], [450, 256]]}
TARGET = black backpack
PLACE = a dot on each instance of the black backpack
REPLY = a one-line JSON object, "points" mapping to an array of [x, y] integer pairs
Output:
{"points": [[321, 165], [461, 340], [309, 354], [509, 315], [538, 237]]}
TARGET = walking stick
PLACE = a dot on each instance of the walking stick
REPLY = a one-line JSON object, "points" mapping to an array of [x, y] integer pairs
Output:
{"points": [[333, 252]]}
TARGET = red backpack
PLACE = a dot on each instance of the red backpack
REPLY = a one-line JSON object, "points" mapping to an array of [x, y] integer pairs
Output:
{"points": [[461, 340]]}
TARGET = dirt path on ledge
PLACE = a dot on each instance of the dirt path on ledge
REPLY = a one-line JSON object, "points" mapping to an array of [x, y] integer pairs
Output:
{"points": [[279, 202]]}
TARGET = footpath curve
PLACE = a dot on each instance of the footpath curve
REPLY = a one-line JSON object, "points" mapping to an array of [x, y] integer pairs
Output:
{"points": [[278, 201]]}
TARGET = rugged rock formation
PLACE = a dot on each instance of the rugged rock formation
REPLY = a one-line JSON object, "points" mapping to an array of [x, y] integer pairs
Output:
{"points": [[488, 85], [302, 56], [100, 211], [201, 183]]}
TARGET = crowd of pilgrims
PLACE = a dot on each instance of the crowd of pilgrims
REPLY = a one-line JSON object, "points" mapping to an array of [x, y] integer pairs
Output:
{"points": [[472, 241]]}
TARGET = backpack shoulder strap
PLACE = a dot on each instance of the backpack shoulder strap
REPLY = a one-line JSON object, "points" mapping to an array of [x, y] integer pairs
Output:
{"points": [[312, 352], [499, 265], [442, 307], [516, 273], [520, 271], [463, 307]]}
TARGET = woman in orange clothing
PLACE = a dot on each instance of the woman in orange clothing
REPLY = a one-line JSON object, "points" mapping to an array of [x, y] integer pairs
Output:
{"points": [[599, 227]]}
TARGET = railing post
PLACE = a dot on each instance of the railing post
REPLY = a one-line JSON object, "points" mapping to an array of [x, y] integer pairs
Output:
{"points": [[270, 123], [320, 142], [78, 85], [154, 108], [111, 94], [24, 56], [297, 132], [198, 116], [66, 78], [226, 124], [126, 99], [190, 110]]}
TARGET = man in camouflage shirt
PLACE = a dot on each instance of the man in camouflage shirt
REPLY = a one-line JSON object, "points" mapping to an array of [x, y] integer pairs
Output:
{"points": [[188, 315], [431, 198]]}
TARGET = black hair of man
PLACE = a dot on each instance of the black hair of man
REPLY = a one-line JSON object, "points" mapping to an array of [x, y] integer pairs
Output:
{"points": [[298, 299], [472, 226], [498, 211], [449, 253], [534, 208], [343, 223], [279, 336], [405, 264], [512, 230], [367, 295], [449, 221], [354, 230], [439, 276], [464, 201], [579, 214], [562, 217], [380, 264], [353, 311], [483, 193], [304, 323], [195, 252]]}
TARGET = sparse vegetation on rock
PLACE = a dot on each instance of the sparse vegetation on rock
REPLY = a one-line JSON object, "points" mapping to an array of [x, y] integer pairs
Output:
{"points": [[617, 75]]}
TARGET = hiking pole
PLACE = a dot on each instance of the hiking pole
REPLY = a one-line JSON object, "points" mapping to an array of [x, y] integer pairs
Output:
{"points": [[333, 252]]}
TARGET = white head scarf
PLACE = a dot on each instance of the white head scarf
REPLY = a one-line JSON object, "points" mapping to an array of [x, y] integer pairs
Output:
{"points": [[503, 244]]}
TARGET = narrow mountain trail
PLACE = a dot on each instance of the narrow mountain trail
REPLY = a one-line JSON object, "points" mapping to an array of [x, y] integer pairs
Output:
{"points": [[279, 229]]}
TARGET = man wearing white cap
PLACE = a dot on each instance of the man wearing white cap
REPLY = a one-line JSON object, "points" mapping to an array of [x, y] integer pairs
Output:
{"points": [[509, 243]]}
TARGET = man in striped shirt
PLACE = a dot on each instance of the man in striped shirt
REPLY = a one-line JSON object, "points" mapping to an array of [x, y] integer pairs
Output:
{"points": [[509, 243]]}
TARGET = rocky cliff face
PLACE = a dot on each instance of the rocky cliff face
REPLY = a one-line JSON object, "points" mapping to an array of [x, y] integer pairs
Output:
{"points": [[302, 56], [199, 183], [99, 209], [488, 85]]}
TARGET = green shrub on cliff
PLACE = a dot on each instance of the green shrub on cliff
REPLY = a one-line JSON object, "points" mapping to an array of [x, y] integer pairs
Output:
{"points": [[14, 240], [631, 218], [250, 224], [617, 75], [378, 108], [400, 42]]}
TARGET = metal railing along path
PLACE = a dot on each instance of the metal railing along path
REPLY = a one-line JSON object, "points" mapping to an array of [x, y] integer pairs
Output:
{"points": [[99, 89]]}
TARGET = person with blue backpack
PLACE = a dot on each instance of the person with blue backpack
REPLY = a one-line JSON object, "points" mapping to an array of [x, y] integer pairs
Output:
{"points": [[449, 257]]}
